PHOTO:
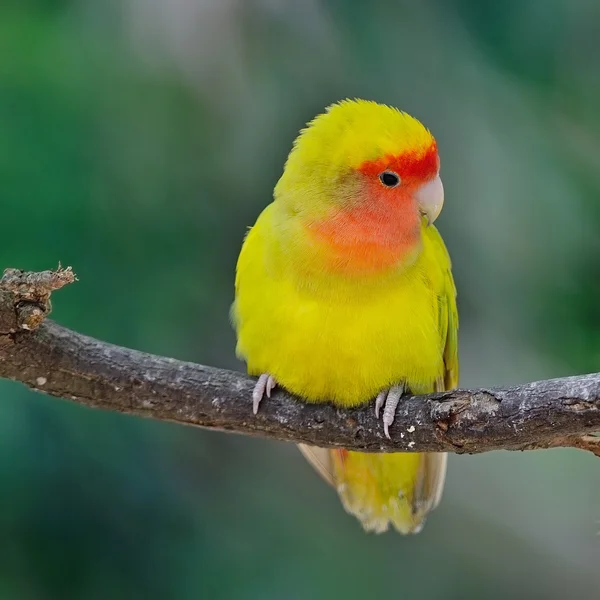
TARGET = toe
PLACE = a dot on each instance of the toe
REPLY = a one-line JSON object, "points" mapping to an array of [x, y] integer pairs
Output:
{"points": [[379, 402], [391, 403], [259, 391]]}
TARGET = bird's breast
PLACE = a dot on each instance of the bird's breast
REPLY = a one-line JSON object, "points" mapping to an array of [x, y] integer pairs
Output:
{"points": [[339, 347]]}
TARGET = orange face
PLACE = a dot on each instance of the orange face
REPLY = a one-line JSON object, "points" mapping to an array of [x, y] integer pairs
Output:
{"points": [[381, 225]]}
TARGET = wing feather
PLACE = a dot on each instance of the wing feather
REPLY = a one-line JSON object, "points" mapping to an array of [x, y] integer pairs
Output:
{"points": [[433, 466]]}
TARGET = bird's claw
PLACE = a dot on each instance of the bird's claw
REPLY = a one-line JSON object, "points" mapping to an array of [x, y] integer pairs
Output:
{"points": [[264, 385], [389, 400]]}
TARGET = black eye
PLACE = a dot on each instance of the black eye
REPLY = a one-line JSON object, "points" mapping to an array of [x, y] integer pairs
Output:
{"points": [[389, 179]]}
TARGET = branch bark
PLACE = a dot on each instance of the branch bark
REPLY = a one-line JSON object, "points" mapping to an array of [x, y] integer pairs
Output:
{"points": [[52, 359]]}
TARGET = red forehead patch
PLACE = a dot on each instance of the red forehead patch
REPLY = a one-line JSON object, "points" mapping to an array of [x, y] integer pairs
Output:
{"points": [[410, 165]]}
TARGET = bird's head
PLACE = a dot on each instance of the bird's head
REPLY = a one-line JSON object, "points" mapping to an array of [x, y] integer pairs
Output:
{"points": [[363, 179]]}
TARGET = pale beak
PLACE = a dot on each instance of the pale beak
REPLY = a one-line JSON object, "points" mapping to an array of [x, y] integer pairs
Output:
{"points": [[430, 198]]}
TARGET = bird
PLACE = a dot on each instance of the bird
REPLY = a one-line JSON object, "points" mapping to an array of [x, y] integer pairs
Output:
{"points": [[344, 294]]}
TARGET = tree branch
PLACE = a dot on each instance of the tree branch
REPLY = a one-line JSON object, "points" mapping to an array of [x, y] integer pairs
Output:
{"points": [[52, 359]]}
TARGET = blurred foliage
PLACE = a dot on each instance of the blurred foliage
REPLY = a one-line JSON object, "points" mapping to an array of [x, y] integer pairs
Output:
{"points": [[140, 138]]}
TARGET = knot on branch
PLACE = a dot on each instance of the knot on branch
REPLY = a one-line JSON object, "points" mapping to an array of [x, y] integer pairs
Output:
{"points": [[29, 294], [462, 412]]}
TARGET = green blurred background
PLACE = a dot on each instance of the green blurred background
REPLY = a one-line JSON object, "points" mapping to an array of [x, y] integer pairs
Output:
{"points": [[138, 140]]}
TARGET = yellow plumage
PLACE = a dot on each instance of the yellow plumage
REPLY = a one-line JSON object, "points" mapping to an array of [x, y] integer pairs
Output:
{"points": [[348, 340], [328, 333]]}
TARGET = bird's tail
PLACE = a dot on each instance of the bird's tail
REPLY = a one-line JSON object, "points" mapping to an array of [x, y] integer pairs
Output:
{"points": [[382, 489]]}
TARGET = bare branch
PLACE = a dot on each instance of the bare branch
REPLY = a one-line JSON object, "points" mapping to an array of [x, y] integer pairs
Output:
{"points": [[52, 359]]}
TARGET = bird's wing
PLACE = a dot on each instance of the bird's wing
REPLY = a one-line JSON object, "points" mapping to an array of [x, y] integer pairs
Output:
{"points": [[433, 469]]}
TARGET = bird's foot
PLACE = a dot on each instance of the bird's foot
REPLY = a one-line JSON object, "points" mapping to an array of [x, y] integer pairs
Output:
{"points": [[389, 400], [264, 385]]}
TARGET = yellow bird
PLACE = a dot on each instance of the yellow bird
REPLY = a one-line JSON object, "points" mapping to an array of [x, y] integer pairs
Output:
{"points": [[344, 294]]}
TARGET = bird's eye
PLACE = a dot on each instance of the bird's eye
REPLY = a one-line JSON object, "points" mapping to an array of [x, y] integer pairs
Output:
{"points": [[389, 179]]}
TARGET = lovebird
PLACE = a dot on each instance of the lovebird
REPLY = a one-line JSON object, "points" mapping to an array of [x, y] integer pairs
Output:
{"points": [[344, 294]]}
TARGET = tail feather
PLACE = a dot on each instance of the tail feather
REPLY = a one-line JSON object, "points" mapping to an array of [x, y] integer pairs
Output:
{"points": [[320, 459], [382, 489]]}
